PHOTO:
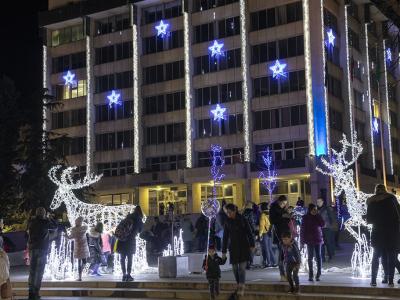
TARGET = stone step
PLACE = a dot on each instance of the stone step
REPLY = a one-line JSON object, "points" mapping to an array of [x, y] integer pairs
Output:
{"points": [[197, 294]]}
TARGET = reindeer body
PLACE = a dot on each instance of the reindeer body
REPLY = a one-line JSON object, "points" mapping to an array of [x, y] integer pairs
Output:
{"points": [[110, 216]]}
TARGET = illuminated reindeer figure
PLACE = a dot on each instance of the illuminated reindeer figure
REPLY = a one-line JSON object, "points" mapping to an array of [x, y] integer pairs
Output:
{"points": [[110, 216], [339, 170]]}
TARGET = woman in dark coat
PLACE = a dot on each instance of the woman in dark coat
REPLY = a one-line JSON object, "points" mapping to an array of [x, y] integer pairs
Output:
{"points": [[311, 235], [239, 238], [127, 248], [383, 213], [279, 219], [95, 248]]}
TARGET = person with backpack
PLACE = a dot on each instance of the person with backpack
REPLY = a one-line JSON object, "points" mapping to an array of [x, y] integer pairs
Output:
{"points": [[126, 233], [266, 238]]}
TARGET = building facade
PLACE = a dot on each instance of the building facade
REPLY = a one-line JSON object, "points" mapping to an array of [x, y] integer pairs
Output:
{"points": [[138, 81]]}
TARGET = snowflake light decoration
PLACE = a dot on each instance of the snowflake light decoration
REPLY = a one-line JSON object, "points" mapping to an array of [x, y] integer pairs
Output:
{"points": [[278, 69], [375, 125], [219, 113], [331, 37], [216, 49], [268, 176], [114, 99], [69, 79], [162, 29], [389, 54]]}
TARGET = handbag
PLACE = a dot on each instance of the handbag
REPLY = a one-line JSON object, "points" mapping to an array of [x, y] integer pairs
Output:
{"points": [[6, 290]]}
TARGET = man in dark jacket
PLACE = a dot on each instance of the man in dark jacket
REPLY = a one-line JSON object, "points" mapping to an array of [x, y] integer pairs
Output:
{"points": [[327, 214], [238, 235], [38, 244], [279, 219], [383, 212]]}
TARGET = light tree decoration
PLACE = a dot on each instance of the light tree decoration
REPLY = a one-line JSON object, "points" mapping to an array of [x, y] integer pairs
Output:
{"points": [[178, 246], [339, 168], [110, 216], [268, 176]]}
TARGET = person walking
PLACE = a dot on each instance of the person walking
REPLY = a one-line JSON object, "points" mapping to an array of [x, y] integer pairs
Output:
{"points": [[328, 234], [266, 237], [383, 212], [95, 249], [248, 214], [219, 225], [279, 219], [292, 261], [39, 229], [240, 240], [211, 264], [311, 235], [81, 248], [187, 233], [126, 246]]}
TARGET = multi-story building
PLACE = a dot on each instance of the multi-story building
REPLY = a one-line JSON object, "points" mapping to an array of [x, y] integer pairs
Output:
{"points": [[292, 76]]}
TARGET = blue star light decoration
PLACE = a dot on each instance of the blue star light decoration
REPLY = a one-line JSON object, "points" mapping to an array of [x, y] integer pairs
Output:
{"points": [[375, 125], [162, 29], [114, 99], [331, 37], [69, 78], [216, 49], [389, 54], [278, 70], [219, 113]]}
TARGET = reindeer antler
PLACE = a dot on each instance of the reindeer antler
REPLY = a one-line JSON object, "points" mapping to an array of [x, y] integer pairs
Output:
{"points": [[66, 178], [52, 174]]}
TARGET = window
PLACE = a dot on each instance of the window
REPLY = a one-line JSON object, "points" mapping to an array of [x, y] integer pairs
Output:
{"points": [[64, 92], [354, 39], [68, 62], [360, 129], [165, 163], [72, 146], [393, 118], [218, 94], [164, 103], [207, 64], [105, 113], [228, 27], [162, 11], [154, 74], [67, 35], [289, 150], [280, 117], [119, 168], [330, 21], [358, 99], [280, 15], [334, 86], [268, 86], [231, 156], [113, 81], [165, 134], [232, 125], [336, 120], [203, 33], [333, 54], [112, 24], [155, 44], [113, 53], [200, 5], [114, 140], [69, 118]]}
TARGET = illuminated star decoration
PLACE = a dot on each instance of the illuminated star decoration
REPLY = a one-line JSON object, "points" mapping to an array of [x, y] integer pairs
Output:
{"points": [[113, 98], [388, 54], [278, 69], [162, 29], [216, 49], [219, 113], [69, 78], [331, 37], [375, 125]]}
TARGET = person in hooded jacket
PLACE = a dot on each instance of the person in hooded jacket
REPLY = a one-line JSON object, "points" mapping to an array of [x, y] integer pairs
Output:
{"points": [[383, 212], [95, 248]]}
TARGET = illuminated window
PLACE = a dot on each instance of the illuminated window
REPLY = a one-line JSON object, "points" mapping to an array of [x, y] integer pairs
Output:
{"points": [[64, 92]]}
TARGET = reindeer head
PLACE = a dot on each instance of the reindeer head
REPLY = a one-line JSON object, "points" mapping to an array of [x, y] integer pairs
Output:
{"points": [[66, 184], [339, 166]]}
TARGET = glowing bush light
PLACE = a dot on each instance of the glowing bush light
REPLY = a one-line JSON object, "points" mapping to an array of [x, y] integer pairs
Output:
{"points": [[162, 29], [219, 113], [216, 49], [278, 70]]}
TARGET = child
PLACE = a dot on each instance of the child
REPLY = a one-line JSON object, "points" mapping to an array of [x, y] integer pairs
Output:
{"points": [[211, 265], [291, 260]]}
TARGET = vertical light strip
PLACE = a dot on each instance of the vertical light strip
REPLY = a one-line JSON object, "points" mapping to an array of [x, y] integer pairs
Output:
{"points": [[307, 62], [387, 110], [89, 104], [188, 93], [245, 78], [136, 140], [371, 129], [324, 62], [44, 125], [348, 71]]}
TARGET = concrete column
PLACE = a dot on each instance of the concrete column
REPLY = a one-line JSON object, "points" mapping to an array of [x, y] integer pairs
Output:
{"points": [[144, 199], [196, 198], [255, 190]]}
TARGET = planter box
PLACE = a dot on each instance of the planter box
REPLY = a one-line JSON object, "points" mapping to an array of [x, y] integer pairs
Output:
{"points": [[173, 266]]}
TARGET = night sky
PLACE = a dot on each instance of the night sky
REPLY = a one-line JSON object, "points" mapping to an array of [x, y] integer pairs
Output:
{"points": [[20, 50]]}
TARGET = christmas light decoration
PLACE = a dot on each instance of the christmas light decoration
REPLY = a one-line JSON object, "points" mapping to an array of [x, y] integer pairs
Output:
{"points": [[388, 54], [69, 79], [114, 99], [331, 37], [89, 107], [268, 177], [389, 138], [44, 85], [375, 125], [308, 77], [368, 81], [162, 29], [278, 69], [178, 246], [136, 114], [339, 168], [219, 113], [245, 80], [216, 49], [188, 88]]}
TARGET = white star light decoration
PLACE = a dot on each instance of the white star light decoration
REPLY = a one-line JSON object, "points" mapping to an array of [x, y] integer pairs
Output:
{"points": [[216, 49], [331, 37], [278, 69], [375, 125], [162, 29], [114, 98], [388, 54], [219, 113], [69, 78]]}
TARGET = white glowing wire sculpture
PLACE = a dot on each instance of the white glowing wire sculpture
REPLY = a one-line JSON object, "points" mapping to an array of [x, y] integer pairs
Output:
{"points": [[178, 246], [268, 176], [340, 170]]}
